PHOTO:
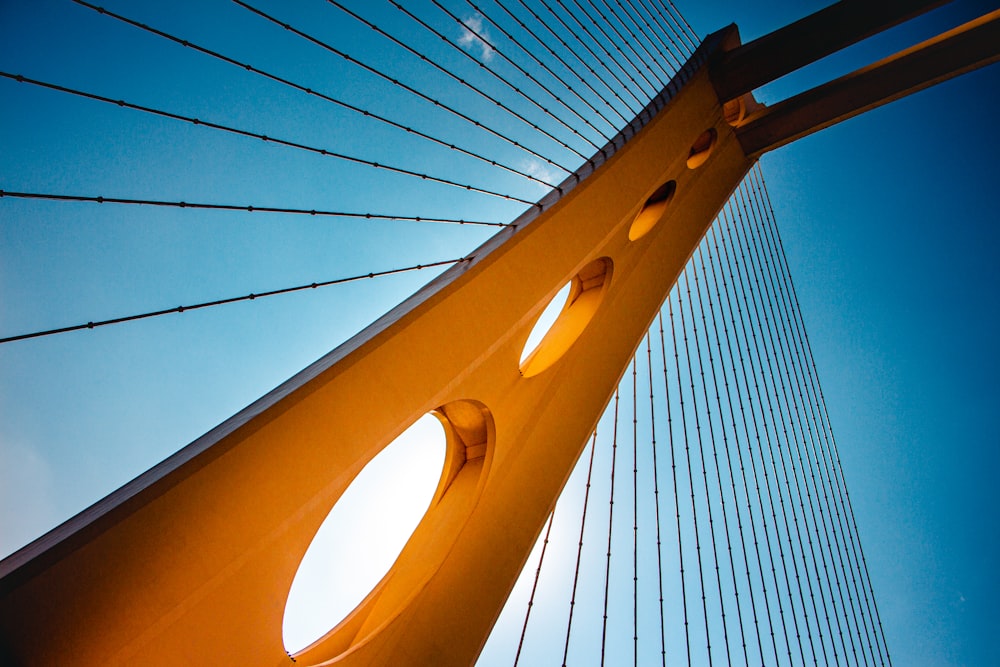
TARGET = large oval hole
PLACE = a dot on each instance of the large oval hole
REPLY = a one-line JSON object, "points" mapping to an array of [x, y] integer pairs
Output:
{"points": [[552, 336], [364, 533], [545, 321]]}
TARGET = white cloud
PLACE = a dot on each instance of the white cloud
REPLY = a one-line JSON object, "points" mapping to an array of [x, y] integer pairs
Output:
{"points": [[474, 36], [541, 171]]}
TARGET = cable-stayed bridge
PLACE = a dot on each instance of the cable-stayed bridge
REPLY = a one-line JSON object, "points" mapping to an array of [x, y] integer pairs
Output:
{"points": [[814, 628]]}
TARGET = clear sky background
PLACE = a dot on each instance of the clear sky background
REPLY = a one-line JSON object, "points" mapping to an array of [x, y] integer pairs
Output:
{"points": [[889, 221]]}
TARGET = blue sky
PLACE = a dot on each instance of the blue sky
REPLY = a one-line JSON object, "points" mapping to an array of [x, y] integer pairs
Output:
{"points": [[888, 221], [891, 232]]}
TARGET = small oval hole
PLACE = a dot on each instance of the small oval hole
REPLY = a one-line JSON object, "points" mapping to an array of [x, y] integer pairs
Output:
{"points": [[652, 211], [583, 295], [734, 111], [364, 533], [702, 148]]}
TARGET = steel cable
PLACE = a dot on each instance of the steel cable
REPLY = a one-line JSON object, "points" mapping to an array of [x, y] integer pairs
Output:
{"points": [[792, 400], [671, 24], [656, 497], [765, 404], [563, 62], [658, 80], [611, 519], [534, 588], [739, 297], [579, 548], [693, 269], [673, 470], [579, 41], [654, 84], [545, 67], [496, 49], [701, 452], [728, 391], [228, 300], [249, 208], [646, 94], [315, 93], [649, 17], [687, 454], [444, 70], [683, 27], [635, 519], [673, 60], [815, 388], [263, 137], [788, 470], [396, 82]]}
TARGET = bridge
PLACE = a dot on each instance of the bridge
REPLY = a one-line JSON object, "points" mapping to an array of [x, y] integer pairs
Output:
{"points": [[751, 211]]}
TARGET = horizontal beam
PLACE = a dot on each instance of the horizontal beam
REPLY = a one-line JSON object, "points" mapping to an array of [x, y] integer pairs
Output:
{"points": [[955, 52], [816, 36]]}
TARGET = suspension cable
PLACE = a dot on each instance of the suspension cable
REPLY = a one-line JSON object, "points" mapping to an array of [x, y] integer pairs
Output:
{"points": [[579, 41], [310, 91], [608, 56], [534, 587], [656, 497], [220, 302], [751, 380], [563, 62], [444, 70], [728, 390], [587, 66], [579, 547], [693, 269], [673, 471], [672, 61], [765, 404], [669, 23], [653, 84], [249, 208], [687, 454], [657, 81], [788, 470], [684, 28], [263, 137], [611, 519], [701, 451], [496, 49], [857, 590], [786, 307], [647, 17], [635, 519], [821, 452], [545, 67], [814, 389], [396, 82], [720, 274], [791, 400]]}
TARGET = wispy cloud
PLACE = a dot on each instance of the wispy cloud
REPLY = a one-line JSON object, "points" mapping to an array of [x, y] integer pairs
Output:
{"points": [[542, 171], [475, 36]]}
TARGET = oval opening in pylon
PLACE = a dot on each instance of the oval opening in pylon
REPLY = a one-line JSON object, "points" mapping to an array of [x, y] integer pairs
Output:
{"points": [[652, 211], [364, 533], [551, 337], [702, 148]]}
